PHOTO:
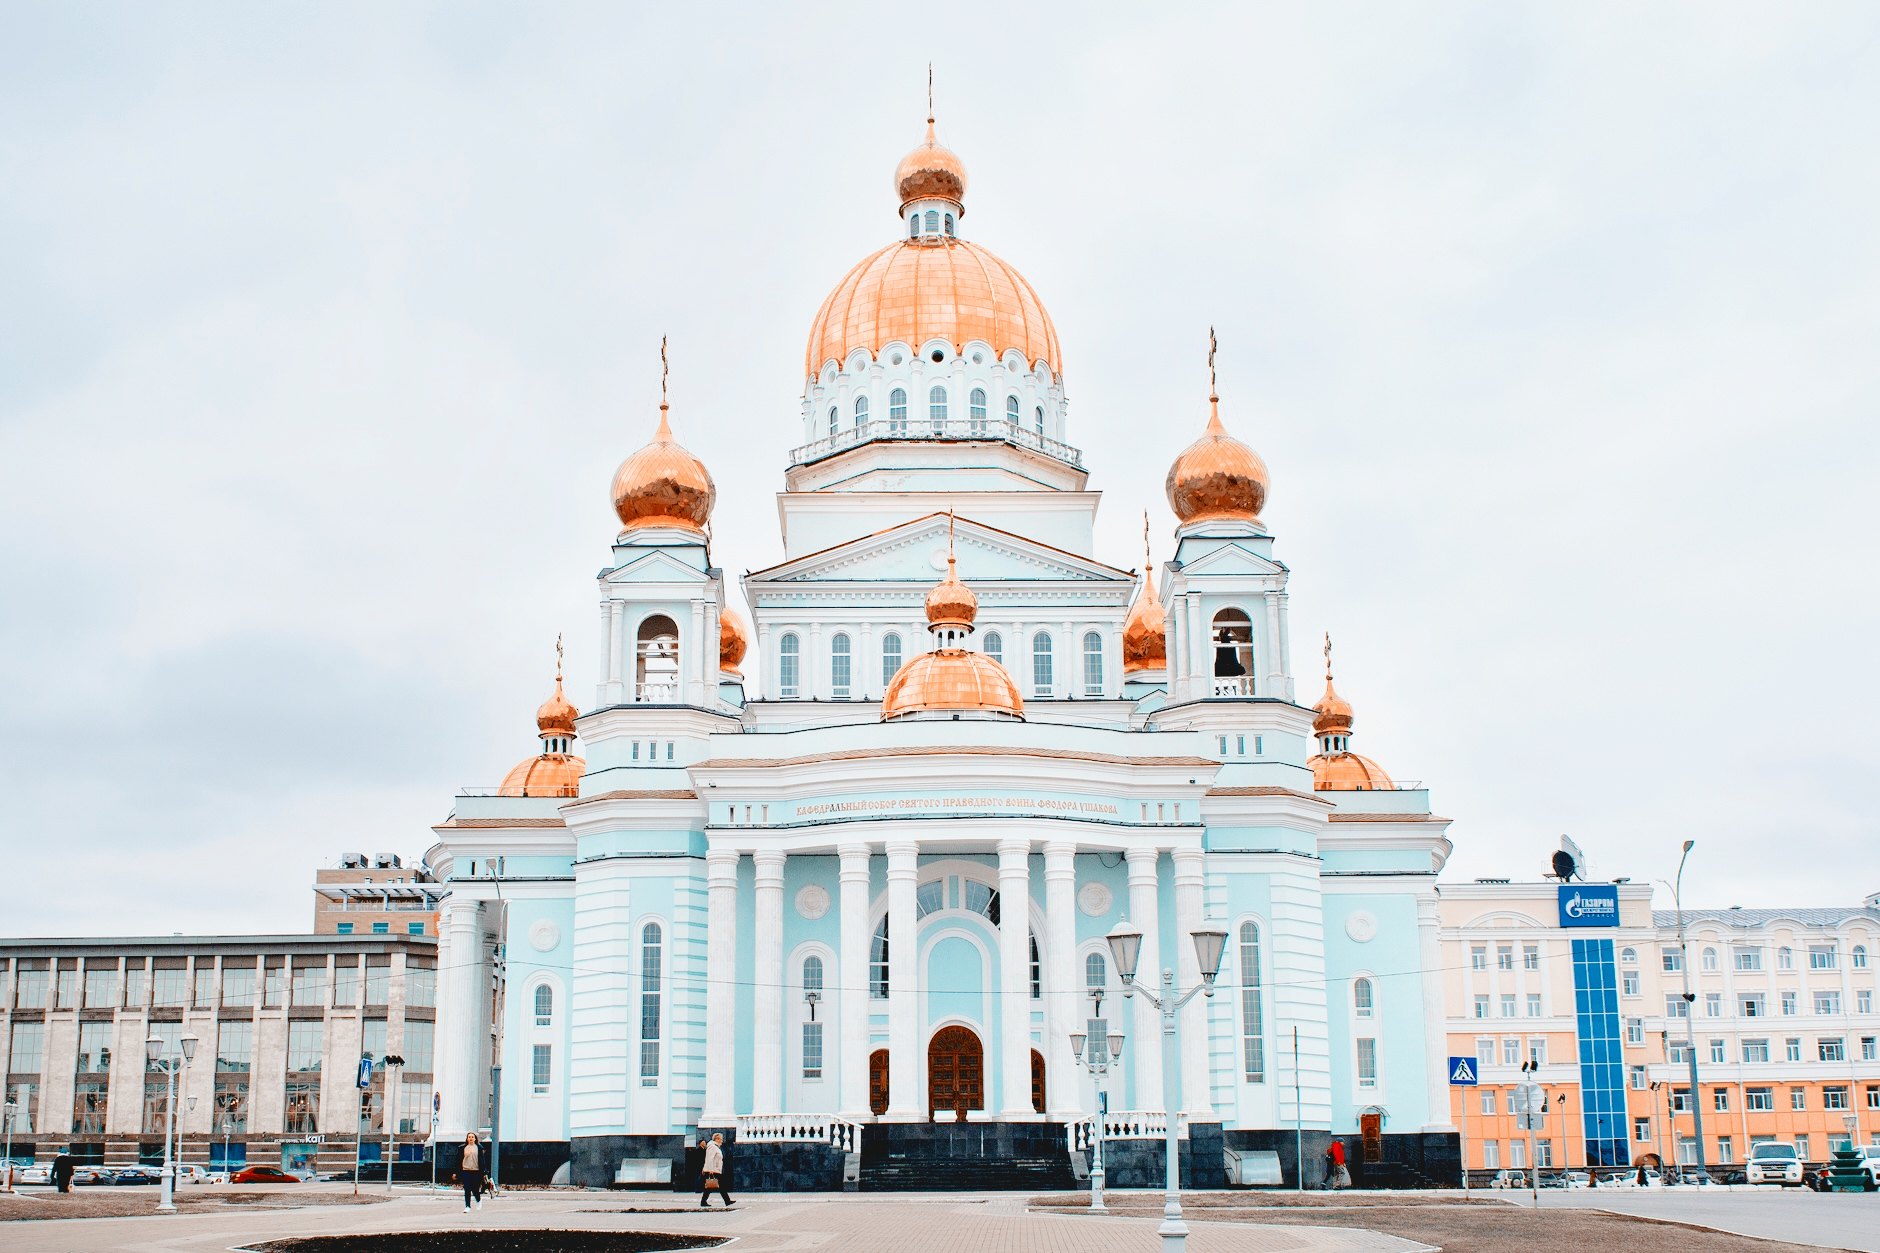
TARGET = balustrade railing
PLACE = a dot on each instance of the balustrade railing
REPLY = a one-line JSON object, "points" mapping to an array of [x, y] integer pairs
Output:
{"points": [[838, 1133], [1142, 1125], [927, 429], [1239, 685], [1081, 1134]]}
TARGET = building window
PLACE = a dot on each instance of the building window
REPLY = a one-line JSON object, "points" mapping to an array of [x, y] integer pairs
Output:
{"points": [[1093, 664], [1863, 1000], [1710, 959], [1752, 1005], [1827, 1002], [540, 1064], [1673, 960], [1860, 957], [1834, 1096], [544, 1005], [306, 1044], [1096, 971], [913, 225], [1785, 958], [1507, 1005], [1676, 1054], [949, 222], [995, 646], [1478, 957], [933, 222], [1680, 1100], [1720, 1098], [345, 928], [1748, 958], [937, 408], [839, 666], [1725, 1152], [1759, 1100], [1873, 1096], [1041, 664], [1675, 1007], [1534, 1004], [1639, 1078], [652, 942], [1788, 1004], [1011, 410], [1642, 1130], [656, 661], [1491, 1154], [1544, 1153], [1831, 1050], [1504, 957], [897, 412], [1755, 1052], [1635, 1031], [1801, 1147], [930, 898], [890, 658], [1821, 957], [1039, 413], [378, 928], [1628, 984], [1713, 1004], [1798, 1098], [1488, 1101], [861, 411], [1868, 1051], [786, 670], [1628, 957], [835, 423], [1792, 1049], [1252, 1022], [303, 1099], [1481, 1005], [1361, 998], [1037, 971], [1531, 957], [1511, 1051], [1367, 1063], [812, 1050], [976, 410], [878, 963], [1484, 1052], [1537, 1050]]}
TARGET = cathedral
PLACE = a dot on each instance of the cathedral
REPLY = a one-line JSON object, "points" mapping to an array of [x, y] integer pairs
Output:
{"points": [[835, 881]]}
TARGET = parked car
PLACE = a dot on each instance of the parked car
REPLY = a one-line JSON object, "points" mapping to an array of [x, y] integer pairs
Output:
{"points": [[190, 1172], [1775, 1162], [1870, 1162], [93, 1176], [133, 1175], [33, 1174], [1578, 1179], [264, 1174]]}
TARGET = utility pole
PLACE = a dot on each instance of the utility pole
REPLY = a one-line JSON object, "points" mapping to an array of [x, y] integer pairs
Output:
{"points": [[1690, 1017]]}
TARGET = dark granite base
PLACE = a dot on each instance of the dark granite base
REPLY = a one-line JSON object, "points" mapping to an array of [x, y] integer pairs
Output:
{"points": [[596, 1159], [924, 1140], [1414, 1160], [1144, 1163], [517, 1161]]}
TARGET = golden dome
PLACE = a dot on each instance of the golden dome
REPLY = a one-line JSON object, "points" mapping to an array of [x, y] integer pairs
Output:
{"points": [[732, 641], [951, 602], [555, 716], [663, 485], [1334, 713], [1217, 476], [931, 172], [551, 774], [1145, 644], [1348, 772], [952, 679]]}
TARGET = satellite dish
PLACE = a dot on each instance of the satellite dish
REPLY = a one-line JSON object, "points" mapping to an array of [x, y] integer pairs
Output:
{"points": [[1564, 867]]}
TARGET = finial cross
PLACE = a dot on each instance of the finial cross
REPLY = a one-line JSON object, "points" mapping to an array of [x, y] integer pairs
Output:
{"points": [[558, 657], [1212, 389], [662, 371], [930, 92], [1328, 656]]}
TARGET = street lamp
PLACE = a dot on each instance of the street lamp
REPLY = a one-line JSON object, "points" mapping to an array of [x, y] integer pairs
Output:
{"points": [[1105, 1047], [1126, 947], [1690, 1018], [8, 1112], [392, 1060], [171, 1065]]}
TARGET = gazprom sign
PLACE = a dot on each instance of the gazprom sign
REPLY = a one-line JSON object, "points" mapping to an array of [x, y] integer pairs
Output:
{"points": [[1589, 905]]}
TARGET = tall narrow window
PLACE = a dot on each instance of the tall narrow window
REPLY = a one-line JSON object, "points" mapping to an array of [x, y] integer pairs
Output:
{"points": [[651, 944], [949, 222], [976, 410], [1011, 410], [878, 963], [544, 1005], [1252, 1024], [861, 411], [1037, 971], [1093, 664], [812, 974], [933, 221], [1041, 664], [890, 657], [1040, 416], [995, 646], [540, 1067], [937, 409], [913, 225], [1361, 993], [812, 1050], [786, 667], [656, 675], [897, 412], [1367, 1063], [839, 666], [1096, 972], [835, 423]]}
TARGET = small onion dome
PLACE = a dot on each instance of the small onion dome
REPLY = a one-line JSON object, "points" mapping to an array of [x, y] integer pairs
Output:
{"points": [[1145, 646], [954, 679], [551, 774], [732, 641], [931, 172], [663, 485], [555, 717], [1334, 713], [951, 603], [1217, 476]]}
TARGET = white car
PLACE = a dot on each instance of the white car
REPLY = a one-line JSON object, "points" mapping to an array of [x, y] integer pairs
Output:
{"points": [[190, 1172], [1775, 1163], [1870, 1162]]}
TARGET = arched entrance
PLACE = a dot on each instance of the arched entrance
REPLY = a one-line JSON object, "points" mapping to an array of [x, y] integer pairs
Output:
{"points": [[1037, 1082], [878, 1081], [956, 1073]]}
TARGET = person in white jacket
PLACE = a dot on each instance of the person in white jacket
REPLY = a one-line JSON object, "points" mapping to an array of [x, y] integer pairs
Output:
{"points": [[712, 1177]]}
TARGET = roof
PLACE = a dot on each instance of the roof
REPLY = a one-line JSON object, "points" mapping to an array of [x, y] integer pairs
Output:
{"points": [[1832, 917], [245, 942], [963, 750]]}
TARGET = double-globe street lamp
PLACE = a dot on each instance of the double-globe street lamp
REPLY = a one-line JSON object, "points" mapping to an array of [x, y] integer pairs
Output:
{"points": [[1125, 947], [1106, 1047], [172, 1065]]}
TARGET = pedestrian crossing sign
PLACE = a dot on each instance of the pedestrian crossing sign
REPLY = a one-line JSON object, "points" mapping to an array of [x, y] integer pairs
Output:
{"points": [[1462, 1072]]}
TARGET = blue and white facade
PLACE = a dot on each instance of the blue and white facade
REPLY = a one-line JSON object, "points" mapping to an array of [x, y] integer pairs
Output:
{"points": [[766, 904]]}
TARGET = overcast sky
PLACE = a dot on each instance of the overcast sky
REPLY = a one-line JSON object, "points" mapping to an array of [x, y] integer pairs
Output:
{"points": [[323, 327]]}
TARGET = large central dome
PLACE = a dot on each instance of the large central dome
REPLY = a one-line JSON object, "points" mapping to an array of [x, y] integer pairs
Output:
{"points": [[932, 285]]}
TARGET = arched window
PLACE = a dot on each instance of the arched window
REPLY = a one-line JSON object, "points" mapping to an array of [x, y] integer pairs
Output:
{"points": [[786, 666], [834, 423], [976, 410], [913, 225], [1096, 971], [1041, 664], [1710, 959], [656, 667], [1093, 664], [1232, 636], [1252, 1025], [937, 409], [890, 658], [1011, 411], [949, 222], [861, 411], [980, 898], [897, 412], [1361, 997], [1040, 417], [1860, 957], [812, 974], [878, 963], [544, 1005], [1785, 958], [1037, 977], [995, 646], [933, 221], [839, 666], [1629, 956], [651, 945]]}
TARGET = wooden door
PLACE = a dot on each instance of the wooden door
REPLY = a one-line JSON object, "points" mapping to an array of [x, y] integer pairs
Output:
{"points": [[1037, 1082], [956, 1066], [878, 1081]]}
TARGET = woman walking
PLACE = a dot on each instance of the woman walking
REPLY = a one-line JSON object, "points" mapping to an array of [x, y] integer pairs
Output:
{"points": [[471, 1171], [713, 1175]]}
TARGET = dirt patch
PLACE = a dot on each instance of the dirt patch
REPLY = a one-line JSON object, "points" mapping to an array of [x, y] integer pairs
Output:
{"points": [[135, 1202], [1474, 1227], [482, 1241]]}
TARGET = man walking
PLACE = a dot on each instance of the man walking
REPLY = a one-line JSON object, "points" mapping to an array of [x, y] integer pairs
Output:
{"points": [[712, 1177], [62, 1172]]}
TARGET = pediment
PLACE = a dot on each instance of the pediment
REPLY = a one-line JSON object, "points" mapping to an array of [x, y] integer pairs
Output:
{"points": [[656, 566], [914, 552], [1231, 559]]}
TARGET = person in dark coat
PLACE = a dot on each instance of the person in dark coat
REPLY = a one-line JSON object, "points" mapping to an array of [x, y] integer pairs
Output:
{"points": [[62, 1168]]}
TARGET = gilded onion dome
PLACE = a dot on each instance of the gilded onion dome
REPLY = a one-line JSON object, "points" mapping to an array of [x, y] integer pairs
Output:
{"points": [[951, 679], [1217, 476], [951, 603], [663, 485], [1145, 644], [1335, 768], [556, 771], [732, 641], [931, 172]]}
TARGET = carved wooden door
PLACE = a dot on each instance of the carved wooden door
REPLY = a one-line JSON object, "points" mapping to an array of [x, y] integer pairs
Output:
{"points": [[955, 1073], [878, 1081]]}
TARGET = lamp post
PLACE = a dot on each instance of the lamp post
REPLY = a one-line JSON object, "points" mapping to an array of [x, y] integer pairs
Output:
{"points": [[7, 1114], [1125, 947], [392, 1062], [228, 1128], [1690, 1017], [1105, 1047], [171, 1065]]}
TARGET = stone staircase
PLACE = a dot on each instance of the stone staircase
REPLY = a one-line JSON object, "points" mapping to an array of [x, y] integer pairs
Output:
{"points": [[968, 1174]]}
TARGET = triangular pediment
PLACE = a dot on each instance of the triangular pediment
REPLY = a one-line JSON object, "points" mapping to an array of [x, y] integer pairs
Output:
{"points": [[655, 566], [1230, 559], [915, 552]]}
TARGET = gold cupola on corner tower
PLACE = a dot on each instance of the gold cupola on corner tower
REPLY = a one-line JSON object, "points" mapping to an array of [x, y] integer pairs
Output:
{"points": [[952, 680], [1145, 640], [663, 485], [556, 771], [1335, 768], [1217, 476]]}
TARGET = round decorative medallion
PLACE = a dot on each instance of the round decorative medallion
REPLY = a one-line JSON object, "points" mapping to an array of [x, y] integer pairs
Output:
{"points": [[812, 902], [544, 936], [937, 558], [1361, 927], [1094, 899]]}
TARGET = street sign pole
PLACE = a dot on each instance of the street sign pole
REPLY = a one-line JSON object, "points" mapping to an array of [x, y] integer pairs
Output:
{"points": [[1462, 1074]]}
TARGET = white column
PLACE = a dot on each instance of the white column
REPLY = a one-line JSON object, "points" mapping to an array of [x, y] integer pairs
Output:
{"points": [[767, 1000], [1197, 1099], [713, 631], [691, 674], [767, 660], [811, 666], [906, 1102], [1201, 650], [1063, 990], [868, 664], [1275, 682], [1015, 980], [1176, 642], [1435, 1026], [462, 1032], [721, 989], [1144, 1049], [853, 1014], [610, 666], [1284, 663], [1071, 648]]}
